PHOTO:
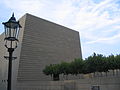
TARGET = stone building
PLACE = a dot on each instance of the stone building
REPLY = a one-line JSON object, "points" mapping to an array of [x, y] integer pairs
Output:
{"points": [[41, 43]]}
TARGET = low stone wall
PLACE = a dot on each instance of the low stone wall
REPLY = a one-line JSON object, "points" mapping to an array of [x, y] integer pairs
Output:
{"points": [[104, 83], [110, 73]]}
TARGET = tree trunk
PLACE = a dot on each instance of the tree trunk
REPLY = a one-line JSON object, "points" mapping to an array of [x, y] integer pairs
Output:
{"points": [[106, 74], [101, 74], [94, 74], [117, 72], [63, 77], [66, 77], [113, 72], [56, 77]]}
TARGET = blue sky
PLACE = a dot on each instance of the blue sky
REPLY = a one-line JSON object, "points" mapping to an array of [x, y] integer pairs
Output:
{"points": [[98, 21]]}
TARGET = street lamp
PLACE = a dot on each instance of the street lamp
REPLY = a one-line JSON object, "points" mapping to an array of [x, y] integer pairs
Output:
{"points": [[12, 28]]}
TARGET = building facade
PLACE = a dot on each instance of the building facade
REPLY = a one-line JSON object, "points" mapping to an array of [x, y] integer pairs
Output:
{"points": [[41, 43]]}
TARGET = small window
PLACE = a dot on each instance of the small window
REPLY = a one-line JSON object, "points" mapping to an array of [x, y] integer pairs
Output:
{"points": [[95, 88]]}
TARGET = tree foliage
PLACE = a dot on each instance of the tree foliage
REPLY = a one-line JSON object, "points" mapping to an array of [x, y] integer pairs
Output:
{"points": [[94, 63]]}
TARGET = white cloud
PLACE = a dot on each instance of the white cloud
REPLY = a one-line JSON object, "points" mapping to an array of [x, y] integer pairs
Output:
{"points": [[108, 40]]}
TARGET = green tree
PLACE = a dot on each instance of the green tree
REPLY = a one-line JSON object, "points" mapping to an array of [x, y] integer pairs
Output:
{"points": [[90, 64], [117, 66], [65, 68], [96, 63], [53, 70], [56, 71], [117, 59], [77, 66], [112, 63], [48, 70]]}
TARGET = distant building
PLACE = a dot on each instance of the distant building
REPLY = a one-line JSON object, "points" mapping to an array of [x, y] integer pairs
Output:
{"points": [[41, 43]]}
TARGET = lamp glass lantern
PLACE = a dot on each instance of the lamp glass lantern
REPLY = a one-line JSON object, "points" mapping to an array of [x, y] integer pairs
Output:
{"points": [[12, 28]]}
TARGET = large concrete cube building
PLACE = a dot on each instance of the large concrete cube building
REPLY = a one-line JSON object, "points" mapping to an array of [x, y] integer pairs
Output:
{"points": [[40, 43]]}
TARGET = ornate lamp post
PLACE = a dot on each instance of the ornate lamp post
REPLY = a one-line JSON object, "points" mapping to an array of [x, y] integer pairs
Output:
{"points": [[12, 28]]}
